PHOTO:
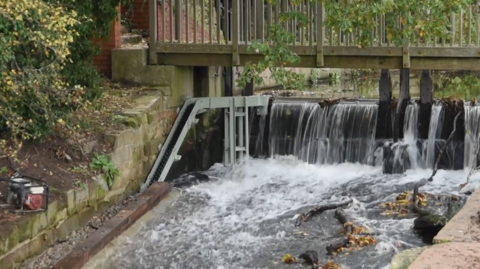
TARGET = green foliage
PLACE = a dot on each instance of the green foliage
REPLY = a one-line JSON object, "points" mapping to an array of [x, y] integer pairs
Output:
{"points": [[35, 39], [79, 184], [277, 56], [95, 19], [4, 170], [424, 19], [406, 20], [103, 163], [79, 170], [314, 76], [334, 78], [459, 86]]}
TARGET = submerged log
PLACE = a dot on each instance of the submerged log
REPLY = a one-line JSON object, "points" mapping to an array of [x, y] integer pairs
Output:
{"points": [[190, 179], [336, 246], [347, 226], [328, 102], [318, 210]]}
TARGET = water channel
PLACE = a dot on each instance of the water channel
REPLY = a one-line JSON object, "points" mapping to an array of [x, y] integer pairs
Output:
{"points": [[245, 217]]}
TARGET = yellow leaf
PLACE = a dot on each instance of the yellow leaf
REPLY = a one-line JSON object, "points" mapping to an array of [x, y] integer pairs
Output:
{"points": [[19, 17]]}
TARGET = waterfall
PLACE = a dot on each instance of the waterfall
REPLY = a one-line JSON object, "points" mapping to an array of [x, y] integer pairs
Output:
{"points": [[406, 153], [434, 132], [472, 134], [410, 136], [333, 134]]}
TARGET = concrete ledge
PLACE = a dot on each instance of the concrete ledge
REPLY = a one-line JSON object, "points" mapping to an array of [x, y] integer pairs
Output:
{"points": [[465, 225], [403, 259], [114, 227], [449, 255]]}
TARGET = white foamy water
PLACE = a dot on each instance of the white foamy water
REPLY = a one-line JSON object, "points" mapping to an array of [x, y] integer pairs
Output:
{"points": [[246, 219]]}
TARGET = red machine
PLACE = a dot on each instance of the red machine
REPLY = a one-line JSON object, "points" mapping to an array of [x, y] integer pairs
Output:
{"points": [[27, 194]]}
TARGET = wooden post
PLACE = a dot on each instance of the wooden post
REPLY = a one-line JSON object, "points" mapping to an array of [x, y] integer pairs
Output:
{"points": [[425, 104], [259, 20], [248, 91], [384, 119], [153, 32], [235, 32], [178, 20], [402, 103]]}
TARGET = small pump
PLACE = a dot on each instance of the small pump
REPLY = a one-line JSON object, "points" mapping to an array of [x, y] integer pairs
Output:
{"points": [[27, 194]]}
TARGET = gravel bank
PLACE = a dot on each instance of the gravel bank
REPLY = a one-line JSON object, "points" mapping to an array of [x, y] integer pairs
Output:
{"points": [[52, 255]]}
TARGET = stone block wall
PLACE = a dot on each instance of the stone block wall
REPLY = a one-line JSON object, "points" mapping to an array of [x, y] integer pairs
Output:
{"points": [[136, 148], [134, 151]]}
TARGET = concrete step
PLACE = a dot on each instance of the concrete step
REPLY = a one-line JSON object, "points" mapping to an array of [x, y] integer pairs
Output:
{"points": [[131, 39]]}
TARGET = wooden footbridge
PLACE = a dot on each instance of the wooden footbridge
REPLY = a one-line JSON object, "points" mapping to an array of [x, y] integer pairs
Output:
{"points": [[218, 33]]}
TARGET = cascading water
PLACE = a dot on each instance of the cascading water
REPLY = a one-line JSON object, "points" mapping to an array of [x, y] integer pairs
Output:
{"points": [[246, 219], [434, 132], [406, 153], [472, 135], [334, 134]]}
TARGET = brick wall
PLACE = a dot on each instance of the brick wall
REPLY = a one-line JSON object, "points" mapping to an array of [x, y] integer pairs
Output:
{"points": [[137, 14], [103, 61]]}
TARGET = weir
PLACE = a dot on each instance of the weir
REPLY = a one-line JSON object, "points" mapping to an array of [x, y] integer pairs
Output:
{"points": [[308, 153]]}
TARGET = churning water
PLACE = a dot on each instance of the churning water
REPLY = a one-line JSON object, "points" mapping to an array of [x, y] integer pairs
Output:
{"points": [[246, 219]]}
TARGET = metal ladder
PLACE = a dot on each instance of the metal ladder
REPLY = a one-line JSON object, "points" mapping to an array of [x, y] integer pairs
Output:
{"points": [[236, 130]]}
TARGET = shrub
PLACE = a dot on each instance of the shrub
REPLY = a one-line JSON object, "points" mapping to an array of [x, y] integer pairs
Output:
{"points": [[95, 19], [34, 40]]}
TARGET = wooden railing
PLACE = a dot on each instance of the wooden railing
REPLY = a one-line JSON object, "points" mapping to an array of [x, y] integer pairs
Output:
{"points": [[218, 32]]}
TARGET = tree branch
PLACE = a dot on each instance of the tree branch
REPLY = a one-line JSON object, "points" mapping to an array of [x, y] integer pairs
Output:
{"points": [[424, 181]]}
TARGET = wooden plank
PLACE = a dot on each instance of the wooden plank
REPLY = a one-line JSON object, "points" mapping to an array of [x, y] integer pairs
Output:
{"points": [[414, 52], [213, 59], [309, 61]]}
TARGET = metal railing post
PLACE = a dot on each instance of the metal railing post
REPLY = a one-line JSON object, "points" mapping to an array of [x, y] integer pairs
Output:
{"points": [[153, 24]]}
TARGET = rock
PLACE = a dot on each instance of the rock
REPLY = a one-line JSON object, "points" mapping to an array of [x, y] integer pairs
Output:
{"points": [[427, 225], [310, 257], [403, 259]]}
